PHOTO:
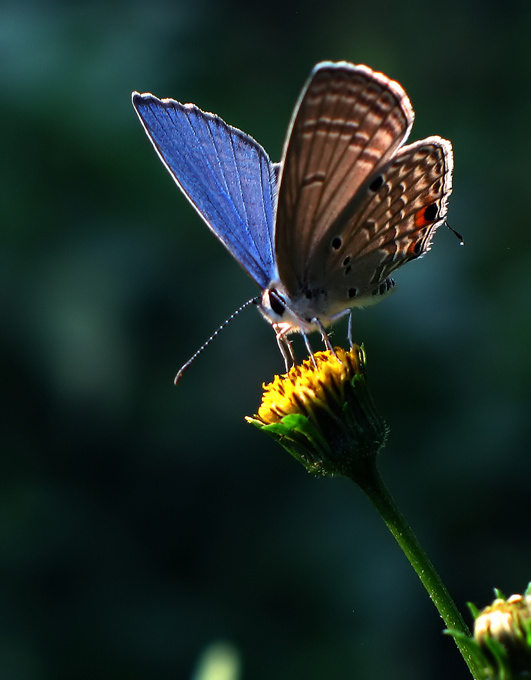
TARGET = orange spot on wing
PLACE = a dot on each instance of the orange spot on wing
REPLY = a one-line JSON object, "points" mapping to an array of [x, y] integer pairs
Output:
{"points": [[426, 215], [420, 218]]}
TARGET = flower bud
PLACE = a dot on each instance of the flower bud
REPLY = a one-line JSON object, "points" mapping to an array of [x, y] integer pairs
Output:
{"points": [[503, 632]]}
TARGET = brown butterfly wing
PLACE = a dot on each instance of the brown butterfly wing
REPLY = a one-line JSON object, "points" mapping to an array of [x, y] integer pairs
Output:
{"points": [[349, 121], [389, 222]]}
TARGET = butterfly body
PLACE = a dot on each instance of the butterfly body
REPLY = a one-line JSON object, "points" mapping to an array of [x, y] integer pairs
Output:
{"points": [[321, 232]]}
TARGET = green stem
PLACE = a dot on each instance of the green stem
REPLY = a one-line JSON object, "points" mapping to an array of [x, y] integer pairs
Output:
{"points": [[379, 495]]}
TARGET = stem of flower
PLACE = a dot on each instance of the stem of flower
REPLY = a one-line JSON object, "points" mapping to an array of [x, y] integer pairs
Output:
{"points": [[373, 486]]}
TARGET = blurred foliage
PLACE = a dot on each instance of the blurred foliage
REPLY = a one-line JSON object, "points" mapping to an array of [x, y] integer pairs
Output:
{"points": [[132, 536]]}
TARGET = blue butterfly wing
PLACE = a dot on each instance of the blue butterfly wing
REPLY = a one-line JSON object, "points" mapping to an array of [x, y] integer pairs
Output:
{"points": [[224, 173]]}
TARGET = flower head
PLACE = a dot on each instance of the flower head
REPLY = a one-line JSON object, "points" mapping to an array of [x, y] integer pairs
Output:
{"points": [[322, 413], [503, 633]]}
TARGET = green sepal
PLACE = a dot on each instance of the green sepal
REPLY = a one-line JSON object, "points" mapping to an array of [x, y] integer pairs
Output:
{"points": [[473, 609], [303, 440]]}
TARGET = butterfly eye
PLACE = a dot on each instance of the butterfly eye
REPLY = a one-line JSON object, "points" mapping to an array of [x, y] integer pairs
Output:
{"points": [[272, 300], [376, 183], [276, 304], [336, 243], [352, 292], [426, 215]]}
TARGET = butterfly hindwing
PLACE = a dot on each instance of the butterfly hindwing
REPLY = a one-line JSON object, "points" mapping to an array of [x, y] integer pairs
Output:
{"points": [[224, 173], [389, 222], [348, 121]]}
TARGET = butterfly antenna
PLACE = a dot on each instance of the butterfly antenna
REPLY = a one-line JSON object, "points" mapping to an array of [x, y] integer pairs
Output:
{"points": [[214, 334], [461, 239]]}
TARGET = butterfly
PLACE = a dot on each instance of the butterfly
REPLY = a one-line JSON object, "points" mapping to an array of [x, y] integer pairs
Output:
{"points": [[321, 231]]}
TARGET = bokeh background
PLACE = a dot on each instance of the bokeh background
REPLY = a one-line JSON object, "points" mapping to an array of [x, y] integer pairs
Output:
{"points": [[141, 523]]}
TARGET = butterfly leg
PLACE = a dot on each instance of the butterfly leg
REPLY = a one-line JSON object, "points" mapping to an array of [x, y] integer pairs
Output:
{"points": [[282, 348], [325, 337], [349, 329], [286, 349], [309, 348]]}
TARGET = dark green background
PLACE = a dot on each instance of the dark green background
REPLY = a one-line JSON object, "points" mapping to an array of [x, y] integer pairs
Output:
{"points": [[139, 522]]}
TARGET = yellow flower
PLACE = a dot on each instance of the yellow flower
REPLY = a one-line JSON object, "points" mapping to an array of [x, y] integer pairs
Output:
{"points": [[309, 384], [322, 413]]}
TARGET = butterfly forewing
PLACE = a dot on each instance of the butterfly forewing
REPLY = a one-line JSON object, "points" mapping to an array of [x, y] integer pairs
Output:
{"points": [[349, 121], [225, 174], [390, 221]]}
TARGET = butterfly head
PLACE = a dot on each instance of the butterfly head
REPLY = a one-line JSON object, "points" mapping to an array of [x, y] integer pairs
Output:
{"points": [[305, 312], [277, 308]]}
